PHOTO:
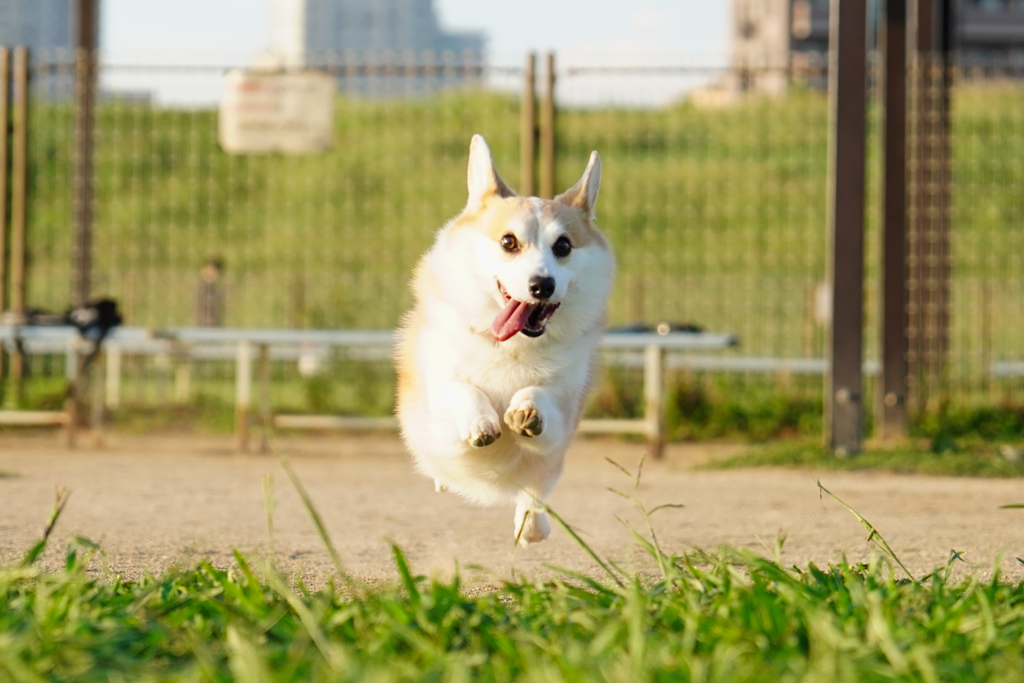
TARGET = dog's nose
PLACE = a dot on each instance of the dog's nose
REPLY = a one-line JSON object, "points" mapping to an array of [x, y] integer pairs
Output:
{"points": [[542, 287]]}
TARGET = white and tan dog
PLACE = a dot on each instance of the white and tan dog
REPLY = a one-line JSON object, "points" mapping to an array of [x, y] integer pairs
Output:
{"points": [[495, 360]]}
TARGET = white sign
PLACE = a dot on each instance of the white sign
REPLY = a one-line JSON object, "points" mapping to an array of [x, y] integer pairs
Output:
{"points": [[277, 112]]}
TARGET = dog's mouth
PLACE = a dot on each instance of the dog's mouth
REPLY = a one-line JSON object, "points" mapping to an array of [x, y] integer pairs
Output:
{"points": [[519, 316]]}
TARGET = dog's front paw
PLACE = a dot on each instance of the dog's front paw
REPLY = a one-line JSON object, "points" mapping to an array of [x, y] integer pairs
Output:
{"points": [[524, 418], [480, 430]]}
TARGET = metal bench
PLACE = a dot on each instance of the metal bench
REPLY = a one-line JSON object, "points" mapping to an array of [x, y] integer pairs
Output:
{"points": [[249, 345]]}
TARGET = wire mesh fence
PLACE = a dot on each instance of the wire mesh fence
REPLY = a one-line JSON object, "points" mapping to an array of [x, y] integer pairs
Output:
{"points": [[714, 199], [986, 306]]}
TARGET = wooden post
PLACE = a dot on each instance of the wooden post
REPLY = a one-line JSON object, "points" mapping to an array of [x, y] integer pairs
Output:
{"points": [[182, 379], [5, 89], [654, 390], [243, 395], [96, 405], [547, 132], [891, 395], [528, 127], [19, 210], [113, 380], [85, 72], [265, 415], [847, 112]]}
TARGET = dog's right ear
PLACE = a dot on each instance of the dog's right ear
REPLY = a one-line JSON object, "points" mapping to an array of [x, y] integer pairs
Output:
{"points": [[483, 180]]}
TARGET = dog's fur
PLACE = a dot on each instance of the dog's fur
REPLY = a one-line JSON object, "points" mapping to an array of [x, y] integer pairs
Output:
{"points": [[488, 419]]}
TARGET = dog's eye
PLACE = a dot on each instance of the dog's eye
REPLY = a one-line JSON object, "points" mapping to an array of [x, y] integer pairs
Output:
{"points": [[562, 247], [509, 243]]}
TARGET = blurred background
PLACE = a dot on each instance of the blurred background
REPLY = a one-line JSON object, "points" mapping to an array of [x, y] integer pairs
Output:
{"points": [[283, 164]]}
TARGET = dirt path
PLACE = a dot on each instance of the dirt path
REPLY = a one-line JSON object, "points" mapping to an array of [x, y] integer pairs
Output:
{"points": [[155, 502]]}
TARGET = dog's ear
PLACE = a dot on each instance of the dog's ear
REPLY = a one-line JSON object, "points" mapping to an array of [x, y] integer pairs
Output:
{"points": [[583, 194], [483, 180]]}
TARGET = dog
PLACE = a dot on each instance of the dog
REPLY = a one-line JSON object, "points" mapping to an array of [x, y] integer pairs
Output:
{"points": [[496, 357]]}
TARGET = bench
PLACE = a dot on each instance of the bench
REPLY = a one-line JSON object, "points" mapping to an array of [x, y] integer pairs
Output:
{"points": [[260, 345]]}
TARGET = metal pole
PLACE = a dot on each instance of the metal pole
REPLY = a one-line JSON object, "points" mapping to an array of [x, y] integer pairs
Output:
{"points": [[891, 404], [847, 112], [19, 207], [528, 127], [928, 278], [547, 132], [85, 72]]}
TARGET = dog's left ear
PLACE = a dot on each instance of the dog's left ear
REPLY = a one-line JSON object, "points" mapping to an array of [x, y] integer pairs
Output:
{"points": [[482, 179], [583, 194]]}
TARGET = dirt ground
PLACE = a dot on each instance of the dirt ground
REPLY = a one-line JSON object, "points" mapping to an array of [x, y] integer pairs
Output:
{"points": [[156, 502]]}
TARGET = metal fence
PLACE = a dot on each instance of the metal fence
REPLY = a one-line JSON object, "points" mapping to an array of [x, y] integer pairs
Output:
{"points": [[715, 202]]}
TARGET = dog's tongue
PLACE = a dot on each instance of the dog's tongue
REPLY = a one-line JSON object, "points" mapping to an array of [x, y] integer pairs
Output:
{"points": [[511, 320]]}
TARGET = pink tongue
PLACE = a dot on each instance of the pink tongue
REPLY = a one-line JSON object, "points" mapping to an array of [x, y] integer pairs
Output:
{"points": [[511, 320]]}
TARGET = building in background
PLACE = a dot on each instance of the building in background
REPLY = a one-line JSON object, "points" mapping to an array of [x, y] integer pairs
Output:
{"points": [[47, 28], [42, 25], [772, 37], [320, 33], [991, 32]]}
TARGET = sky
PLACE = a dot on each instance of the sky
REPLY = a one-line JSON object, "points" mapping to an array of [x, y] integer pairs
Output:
{"points": [[580, 31]]}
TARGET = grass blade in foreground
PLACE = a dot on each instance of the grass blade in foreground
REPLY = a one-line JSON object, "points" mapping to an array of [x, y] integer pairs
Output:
{"points": [[873, 535]]}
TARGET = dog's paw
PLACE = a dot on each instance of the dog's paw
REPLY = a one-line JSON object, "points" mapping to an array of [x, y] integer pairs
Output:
{"points": [[480, 431], [533, 528], [524, 418], [440, 486]]}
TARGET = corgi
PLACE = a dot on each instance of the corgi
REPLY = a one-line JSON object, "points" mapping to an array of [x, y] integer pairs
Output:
{"points": [[496, 358]]}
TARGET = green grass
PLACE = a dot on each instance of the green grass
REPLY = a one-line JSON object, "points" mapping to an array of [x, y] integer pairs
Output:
{"points": [[732, 615], [939, 457]]}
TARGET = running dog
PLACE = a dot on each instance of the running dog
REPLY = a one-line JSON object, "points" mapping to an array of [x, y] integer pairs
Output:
{"points": [[495, 359]]}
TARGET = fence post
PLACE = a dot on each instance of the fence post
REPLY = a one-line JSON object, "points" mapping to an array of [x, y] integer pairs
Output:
{"points": [[928, 274], [847, 84], [243, 395], [654, 392], [19, 208], [528, 127], [547, 132], [113, 370], [85, 70], [5, 89], [265, 415], [96, 407], [891, 394]]}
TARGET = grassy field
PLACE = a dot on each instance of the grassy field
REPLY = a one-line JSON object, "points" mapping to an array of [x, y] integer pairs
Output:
{"points": [[732, 615], [941, 455], [717, 215]]}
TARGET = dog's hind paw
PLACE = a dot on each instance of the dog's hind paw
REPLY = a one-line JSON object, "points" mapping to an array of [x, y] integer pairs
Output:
{"points": [[482, 432], [533, 527], [524, 419]]}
